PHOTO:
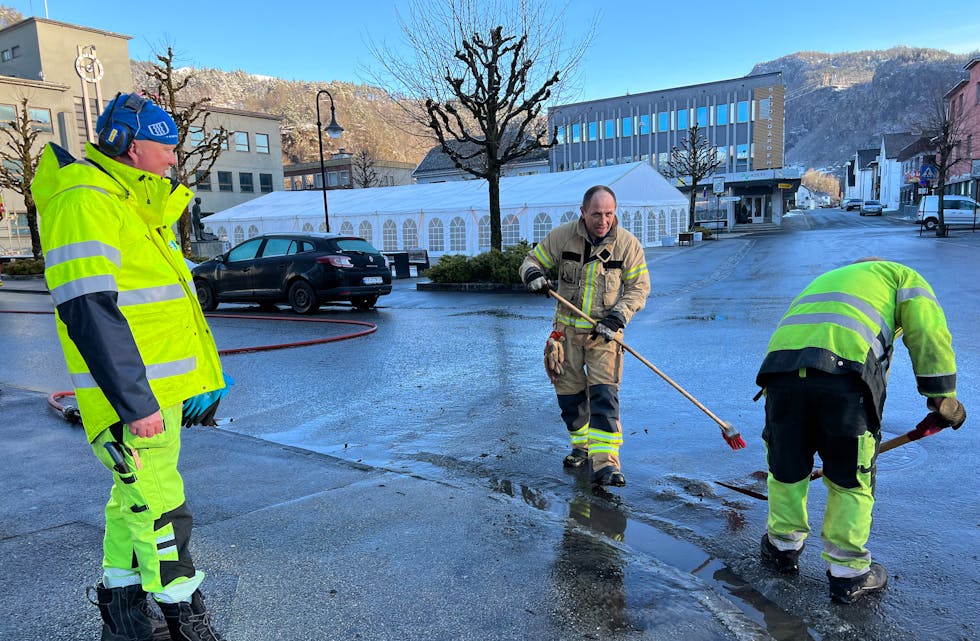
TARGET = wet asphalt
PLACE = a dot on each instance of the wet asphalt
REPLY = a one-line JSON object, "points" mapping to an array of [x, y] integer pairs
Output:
{"points": [[408, 484]]}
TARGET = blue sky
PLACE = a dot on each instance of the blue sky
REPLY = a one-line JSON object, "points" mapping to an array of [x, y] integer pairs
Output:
{"points": [[641, 45]]}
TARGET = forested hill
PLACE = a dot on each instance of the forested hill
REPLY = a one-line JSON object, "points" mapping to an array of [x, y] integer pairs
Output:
{"points": [[835, 103]]}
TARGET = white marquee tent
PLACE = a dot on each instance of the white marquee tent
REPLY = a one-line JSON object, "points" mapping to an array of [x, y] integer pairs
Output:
{"points": [[453, 218]]}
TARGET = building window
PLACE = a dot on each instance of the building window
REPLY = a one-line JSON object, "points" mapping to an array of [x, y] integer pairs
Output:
{"points": [[241, 140], [682, 119], [8, 114], [457, 235], [222, 233], [627, 127], [224, 181], [610, 128], [40, 119], [664, 121], [742, 152], [560, 137], [644, 124], [331, 178], [261, 143], [365, 231], [978, 92], [652, 227], [389, 236], [224, 139], [702, 116], [742, 111], [245, 183], [196, 135], [410, 234], [309, 226], [239, 234], [202, 181], [346, 228], [322, 228], [483, 233], [510, 231], [593, 131], [253, 231], [265, 183], [542, 225], [10, 54], [567, 217], [437, 236], [721, 115], [662, 158]]}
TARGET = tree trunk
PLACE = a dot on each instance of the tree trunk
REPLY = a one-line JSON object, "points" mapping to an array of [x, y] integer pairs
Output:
{"points": [[184, 229], [36, 249], [496, 238], [691, 198]]}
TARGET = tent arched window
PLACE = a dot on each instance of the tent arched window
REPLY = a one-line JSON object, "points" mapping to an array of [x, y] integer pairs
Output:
{"points": [[437, 236], [389, 236], [652, 226], [510, 230], [483, 233], [346, 228], [322, 228], [253, 231], [410, 234], [542, 225], [365, 231], [307, 226], [239, 234], [457, 235], [637, 227], [567, 217], [222, 233]]}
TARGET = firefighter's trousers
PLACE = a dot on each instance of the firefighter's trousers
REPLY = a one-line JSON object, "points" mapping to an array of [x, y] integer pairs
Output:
{"points": [[147, 523]]}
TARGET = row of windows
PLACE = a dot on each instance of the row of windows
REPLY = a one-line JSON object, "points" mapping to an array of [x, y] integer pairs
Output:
{"points": [[648, 227], [246, 182], [674, 120], [240, 139], [10, 54], [315, 181], [40, 117], [662, 159]]}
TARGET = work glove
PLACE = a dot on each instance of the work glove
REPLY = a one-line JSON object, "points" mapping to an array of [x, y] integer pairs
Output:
{"points": [[554, 355], [536, 282], [200, 409], [608, 327], [949, 409]]}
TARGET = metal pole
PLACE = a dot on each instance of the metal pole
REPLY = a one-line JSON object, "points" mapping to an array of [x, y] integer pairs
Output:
{"points": [[323, 171]]}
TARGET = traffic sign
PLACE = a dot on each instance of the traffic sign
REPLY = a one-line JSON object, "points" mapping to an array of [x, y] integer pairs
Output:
{"points": [[928, 172]]}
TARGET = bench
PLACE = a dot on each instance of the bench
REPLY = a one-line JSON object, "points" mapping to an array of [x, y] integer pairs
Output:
{"points": [[403, 261], [717, 224]]}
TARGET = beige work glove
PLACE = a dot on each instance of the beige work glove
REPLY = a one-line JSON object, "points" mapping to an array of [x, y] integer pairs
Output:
{"points": [[554, 356], [949, 409]]}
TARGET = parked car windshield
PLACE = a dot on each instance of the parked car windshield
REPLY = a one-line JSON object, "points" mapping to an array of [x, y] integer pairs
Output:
{"points": [[872, 202], [356, 245]]}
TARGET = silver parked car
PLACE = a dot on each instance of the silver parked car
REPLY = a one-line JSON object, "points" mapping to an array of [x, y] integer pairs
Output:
{"points": [[871, 208]]}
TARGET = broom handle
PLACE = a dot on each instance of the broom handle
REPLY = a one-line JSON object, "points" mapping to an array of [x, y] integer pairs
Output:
{"points": [[629, 349]]}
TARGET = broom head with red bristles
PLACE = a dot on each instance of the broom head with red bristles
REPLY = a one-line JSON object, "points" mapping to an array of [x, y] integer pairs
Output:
{"points": [[732, 437]]}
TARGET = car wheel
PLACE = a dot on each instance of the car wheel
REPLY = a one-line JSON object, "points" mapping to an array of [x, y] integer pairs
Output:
{"points": [[931, 223], [364, 302], [302, 298], [205, 296]]}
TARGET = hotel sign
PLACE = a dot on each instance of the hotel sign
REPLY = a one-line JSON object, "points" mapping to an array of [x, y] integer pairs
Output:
{"points": [[767, 131]]}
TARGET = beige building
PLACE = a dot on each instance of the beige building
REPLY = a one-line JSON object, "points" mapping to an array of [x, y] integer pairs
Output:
{"points": [[67, 73]]}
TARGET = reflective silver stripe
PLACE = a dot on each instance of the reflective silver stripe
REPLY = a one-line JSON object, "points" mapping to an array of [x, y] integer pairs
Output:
{"points": [[838, 319], [914, 292], [150, 295], [168, 550], [840, 554], [84, 380], [81, 286], [92, 187], [853, 301], [85, 249]]}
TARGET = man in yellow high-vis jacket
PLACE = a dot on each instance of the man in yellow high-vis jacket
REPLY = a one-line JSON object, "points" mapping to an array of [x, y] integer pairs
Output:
{"points": [[137, 346], [825, 374]]}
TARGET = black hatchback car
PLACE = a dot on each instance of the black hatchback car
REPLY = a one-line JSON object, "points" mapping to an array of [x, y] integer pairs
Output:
{"points": [[304, 269]]}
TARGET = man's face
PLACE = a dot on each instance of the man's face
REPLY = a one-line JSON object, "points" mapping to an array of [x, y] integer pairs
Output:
{"points": [[599, 214], [154, 157]]}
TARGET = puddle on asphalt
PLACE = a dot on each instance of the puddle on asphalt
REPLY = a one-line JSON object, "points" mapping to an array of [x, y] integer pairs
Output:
{"points": [[600, 513], [497, 313]]}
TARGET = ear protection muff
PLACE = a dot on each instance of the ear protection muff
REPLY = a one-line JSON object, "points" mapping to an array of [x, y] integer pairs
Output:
{"points": [[116, 137]]}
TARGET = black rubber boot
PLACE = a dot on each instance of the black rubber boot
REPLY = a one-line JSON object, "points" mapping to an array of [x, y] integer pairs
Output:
{"points": [[127, 615], [577, 458], [785, 561], [850, 590], [608, 475], [189, 621]]}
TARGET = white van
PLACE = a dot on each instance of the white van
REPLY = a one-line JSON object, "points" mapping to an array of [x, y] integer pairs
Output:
{"points": [[956, 210]]}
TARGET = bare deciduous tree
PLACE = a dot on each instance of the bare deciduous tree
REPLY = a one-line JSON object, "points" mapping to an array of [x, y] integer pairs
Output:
{"points": [[191, 116], [478, 76], [691, 162], [943, 126], [19, 165], [363, 172]]}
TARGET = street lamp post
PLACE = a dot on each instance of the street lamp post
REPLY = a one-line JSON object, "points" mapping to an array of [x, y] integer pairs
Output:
{"points": [[333, 130]]}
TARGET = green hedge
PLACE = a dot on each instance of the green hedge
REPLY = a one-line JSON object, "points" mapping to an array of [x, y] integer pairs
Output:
{"points": [[24, 266], [490, 267]]}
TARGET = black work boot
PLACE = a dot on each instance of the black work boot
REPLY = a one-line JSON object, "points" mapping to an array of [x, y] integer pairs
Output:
{"points": [[849, 590], [577, 458], [785, 561], [127, 615], [189, 621], [608, 475]]}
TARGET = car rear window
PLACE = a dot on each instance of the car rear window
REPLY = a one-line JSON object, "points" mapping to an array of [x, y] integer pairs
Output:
{"points": [[356, 245]]}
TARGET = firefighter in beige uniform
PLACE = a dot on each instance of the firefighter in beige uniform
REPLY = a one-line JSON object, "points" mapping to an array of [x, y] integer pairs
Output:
{"points": [[602, 270]]}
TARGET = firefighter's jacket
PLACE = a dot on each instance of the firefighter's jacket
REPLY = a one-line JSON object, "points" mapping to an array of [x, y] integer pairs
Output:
{"points": [[847, 319], [599, 278], [132, 331]]}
